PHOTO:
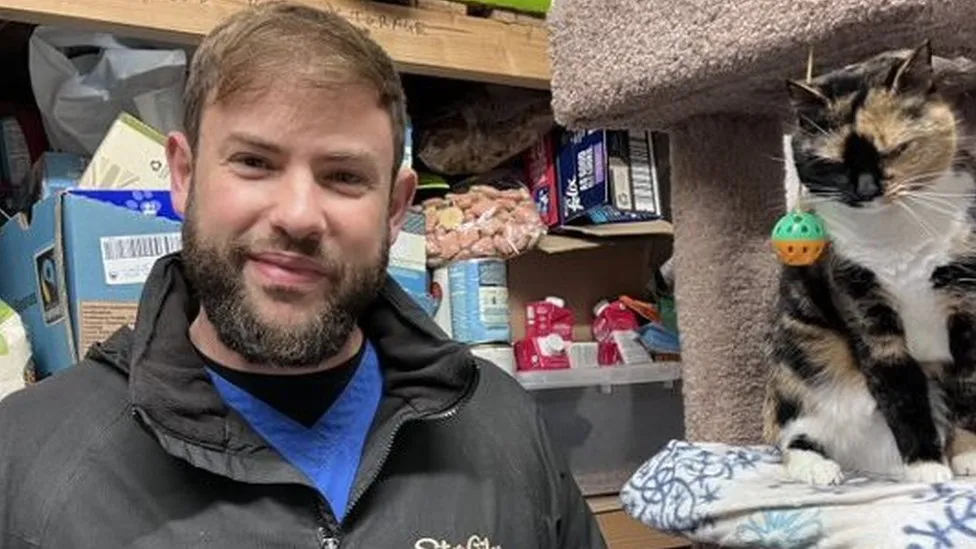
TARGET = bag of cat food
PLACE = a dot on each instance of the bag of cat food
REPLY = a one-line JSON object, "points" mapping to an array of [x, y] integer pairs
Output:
{"points": [[487, 216], [16, 365]]}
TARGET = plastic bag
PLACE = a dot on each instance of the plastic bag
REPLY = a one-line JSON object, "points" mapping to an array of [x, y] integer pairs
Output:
{"points": [[486, 220], [482, 129], [83, 80]]}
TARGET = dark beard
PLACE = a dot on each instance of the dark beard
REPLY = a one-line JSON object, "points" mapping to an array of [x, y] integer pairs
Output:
{"points": [[216, 277]]}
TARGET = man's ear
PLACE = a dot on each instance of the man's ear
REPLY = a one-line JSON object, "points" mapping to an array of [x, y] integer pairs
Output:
{"points": [[914, 74], [804, 96], [401, 198], [179, 156]]}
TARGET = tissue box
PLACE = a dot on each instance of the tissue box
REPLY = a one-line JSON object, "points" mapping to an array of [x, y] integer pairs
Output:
{"points": [[131, 156], [74, 282]]}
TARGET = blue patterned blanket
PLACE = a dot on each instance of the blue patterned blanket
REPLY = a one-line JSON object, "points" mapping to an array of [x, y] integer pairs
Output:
{"points": [[738, 496]]}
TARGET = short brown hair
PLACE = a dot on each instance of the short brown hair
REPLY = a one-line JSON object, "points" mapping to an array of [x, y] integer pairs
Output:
{"points": [[256, 46]]}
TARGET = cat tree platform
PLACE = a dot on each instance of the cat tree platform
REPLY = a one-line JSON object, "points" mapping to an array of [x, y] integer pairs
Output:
{"points": [[712, 75]]}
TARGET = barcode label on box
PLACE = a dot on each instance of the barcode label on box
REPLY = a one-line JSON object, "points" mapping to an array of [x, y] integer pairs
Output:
{"points": [[128, 259], [643, 176]]}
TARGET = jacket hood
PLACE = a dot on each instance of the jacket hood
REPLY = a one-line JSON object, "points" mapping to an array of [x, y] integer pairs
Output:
{"points": [[425, 373]]}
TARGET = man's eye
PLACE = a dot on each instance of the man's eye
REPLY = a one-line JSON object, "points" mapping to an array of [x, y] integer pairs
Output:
{"points": [[346, 178], [251, 162]]}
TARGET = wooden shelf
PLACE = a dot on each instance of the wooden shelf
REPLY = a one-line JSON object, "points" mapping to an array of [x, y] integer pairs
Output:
{"points": [[623, 532], [421, 41], [570, 239]]}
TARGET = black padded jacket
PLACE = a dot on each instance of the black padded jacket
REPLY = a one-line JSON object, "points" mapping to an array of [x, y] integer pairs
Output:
{"points": [[133, 448]]}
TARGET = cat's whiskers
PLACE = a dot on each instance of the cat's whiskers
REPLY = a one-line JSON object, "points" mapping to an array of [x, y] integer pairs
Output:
{"points": [[818, 127], [948, 200], [922, 178], [942, 208], [925, 227]]}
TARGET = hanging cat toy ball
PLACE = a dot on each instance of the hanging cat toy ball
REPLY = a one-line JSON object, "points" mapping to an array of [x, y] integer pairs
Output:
{"points": [[799, 238]]}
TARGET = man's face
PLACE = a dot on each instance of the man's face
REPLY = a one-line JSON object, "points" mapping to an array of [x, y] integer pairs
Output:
{"points": [[289, 216]]}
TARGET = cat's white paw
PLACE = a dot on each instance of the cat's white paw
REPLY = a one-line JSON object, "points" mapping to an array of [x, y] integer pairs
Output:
{"points": [[928, 472], [812, 468], [964, 464]]}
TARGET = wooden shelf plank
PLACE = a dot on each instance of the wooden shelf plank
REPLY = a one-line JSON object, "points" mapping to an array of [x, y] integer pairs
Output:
{"points": [[623, 532], [426, 42]]}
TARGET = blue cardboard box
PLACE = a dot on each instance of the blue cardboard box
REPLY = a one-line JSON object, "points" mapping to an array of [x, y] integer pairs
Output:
{"points": [[585, 181], [408, 259], [74, 271]]}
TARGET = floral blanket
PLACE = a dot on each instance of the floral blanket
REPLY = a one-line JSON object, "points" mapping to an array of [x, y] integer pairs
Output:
{"points": [[738, 496]]}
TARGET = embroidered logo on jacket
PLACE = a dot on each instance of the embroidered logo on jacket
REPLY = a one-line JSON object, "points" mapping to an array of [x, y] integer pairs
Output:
{"points": [[474, 542]]}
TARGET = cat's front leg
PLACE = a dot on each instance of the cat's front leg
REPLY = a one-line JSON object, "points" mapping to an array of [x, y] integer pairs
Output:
{"points": [[905, 396], [960, 379]]}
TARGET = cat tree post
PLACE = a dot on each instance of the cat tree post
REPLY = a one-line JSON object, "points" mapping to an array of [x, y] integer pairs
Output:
{"points": [[723, 210]]}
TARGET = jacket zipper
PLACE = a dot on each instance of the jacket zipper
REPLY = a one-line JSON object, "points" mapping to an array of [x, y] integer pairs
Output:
{"points": [[328, 533], [388, 447]]}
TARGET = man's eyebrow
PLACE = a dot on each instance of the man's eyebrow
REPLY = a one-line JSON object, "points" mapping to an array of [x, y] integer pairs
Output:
{"points": [[254, 142], [348, 155], [352, 155]]}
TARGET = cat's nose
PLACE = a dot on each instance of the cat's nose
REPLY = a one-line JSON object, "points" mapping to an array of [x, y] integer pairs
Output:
{"points": [[868, 186]]}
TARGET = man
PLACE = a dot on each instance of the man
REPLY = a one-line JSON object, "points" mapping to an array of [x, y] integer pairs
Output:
{"points": [[277, 391]]}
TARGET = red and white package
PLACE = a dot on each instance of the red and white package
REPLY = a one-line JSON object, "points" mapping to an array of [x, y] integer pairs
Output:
{"points": [[548, 335], [615, 331], [549, 316], [542, 353]]}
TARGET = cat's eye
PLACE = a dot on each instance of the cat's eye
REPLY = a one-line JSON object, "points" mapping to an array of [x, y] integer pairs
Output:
{"points": [[897, 150]]}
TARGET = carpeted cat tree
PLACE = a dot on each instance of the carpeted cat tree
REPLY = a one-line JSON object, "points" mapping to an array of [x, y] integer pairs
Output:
{"points": [[711, 74]]}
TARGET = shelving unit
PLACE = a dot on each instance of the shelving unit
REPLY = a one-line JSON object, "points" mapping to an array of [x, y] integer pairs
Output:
{"points": [[655, 372], [422, 41], [448, 43]]}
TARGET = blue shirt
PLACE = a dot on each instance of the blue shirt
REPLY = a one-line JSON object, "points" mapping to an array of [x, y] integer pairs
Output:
{"points": [[328, 452]]}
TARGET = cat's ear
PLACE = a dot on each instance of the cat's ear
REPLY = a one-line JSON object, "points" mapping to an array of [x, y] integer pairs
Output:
{"points": [[803, 95], [914, 74]]}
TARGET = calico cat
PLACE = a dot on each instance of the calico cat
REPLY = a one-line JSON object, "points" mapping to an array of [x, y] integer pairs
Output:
{"points": [[873, 345]]}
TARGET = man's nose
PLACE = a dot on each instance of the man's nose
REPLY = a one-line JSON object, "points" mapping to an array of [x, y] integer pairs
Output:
{"points": [[296, 208]]}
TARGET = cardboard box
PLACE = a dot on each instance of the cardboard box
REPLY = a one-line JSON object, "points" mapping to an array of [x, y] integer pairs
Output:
{"points": [[586, 162], [74, 282], [131, 156], [408, 259]]}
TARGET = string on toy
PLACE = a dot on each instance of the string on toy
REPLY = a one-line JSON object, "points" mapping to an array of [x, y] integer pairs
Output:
{"points": [[799, 237], [801, 192]]}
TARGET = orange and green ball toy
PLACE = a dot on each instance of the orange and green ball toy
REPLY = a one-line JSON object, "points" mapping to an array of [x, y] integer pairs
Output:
{"points": [[799, 238]]}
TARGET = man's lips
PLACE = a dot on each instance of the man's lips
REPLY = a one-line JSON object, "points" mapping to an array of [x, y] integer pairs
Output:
{"points": [[287, 269]]}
